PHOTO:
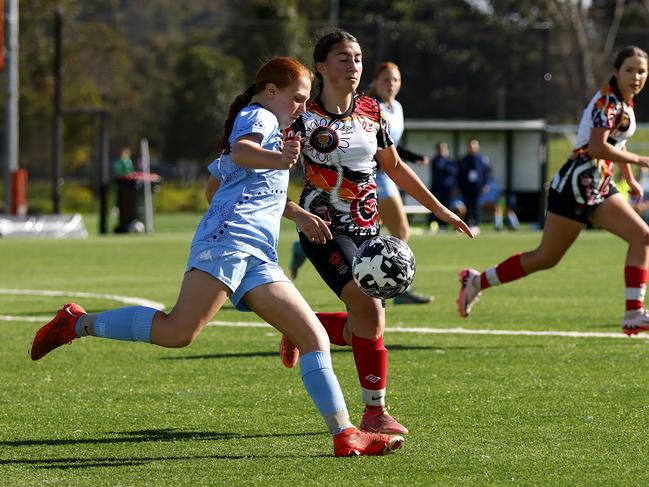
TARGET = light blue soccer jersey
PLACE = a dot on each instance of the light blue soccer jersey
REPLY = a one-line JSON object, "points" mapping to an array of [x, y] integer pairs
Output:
{"points": [[245, 212]]}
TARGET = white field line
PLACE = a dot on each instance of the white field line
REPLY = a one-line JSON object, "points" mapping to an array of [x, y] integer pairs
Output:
{"points": [[460, 331], [248, 324], [400, 329], [72, 294]]}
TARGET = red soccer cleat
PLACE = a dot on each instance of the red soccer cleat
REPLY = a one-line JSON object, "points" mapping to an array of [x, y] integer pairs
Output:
{"points": [[469, 291], [377, 420], [288, 353], [57, 332], [352, 442]]}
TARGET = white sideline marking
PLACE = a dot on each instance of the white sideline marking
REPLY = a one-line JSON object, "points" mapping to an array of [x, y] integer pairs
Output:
{"points": [[461, 331], [249, 324], [73, 294], [43, 319]]}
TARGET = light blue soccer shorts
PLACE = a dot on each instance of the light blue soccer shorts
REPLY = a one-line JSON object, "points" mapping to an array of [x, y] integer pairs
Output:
{"points": [[385, 187], [240, 271]]}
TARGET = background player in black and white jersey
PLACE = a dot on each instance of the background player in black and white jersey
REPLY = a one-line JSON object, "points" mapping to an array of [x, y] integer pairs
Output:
{"points": [[343, 132], [583, 190]]}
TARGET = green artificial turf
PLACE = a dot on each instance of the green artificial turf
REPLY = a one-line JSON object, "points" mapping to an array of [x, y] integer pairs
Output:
{"points": [[481, 409]]}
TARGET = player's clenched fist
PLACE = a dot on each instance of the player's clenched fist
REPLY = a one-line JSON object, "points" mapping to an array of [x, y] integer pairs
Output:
{"points": [[290, 151]]}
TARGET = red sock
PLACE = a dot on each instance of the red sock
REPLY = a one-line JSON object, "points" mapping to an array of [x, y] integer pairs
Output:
{"points": [[334, 323], [635, 280], [371, 359], [508, 270]]}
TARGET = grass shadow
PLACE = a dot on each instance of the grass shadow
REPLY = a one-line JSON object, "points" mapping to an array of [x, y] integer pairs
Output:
{"points": [[141, 436], [337, 350], [152, 435]]}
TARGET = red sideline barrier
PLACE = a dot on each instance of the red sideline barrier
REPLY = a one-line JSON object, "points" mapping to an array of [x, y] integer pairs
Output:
{"points": [[19, 192], [140, 176]]}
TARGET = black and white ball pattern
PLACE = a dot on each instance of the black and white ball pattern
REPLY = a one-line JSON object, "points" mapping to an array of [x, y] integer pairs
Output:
{"points": [[383, 267]]}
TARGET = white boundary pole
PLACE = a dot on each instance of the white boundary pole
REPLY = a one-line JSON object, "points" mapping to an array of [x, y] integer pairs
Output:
{"points": [[148, 200], [11, 102]]}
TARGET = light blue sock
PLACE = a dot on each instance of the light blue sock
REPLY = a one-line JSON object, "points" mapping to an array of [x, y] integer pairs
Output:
{"points": [[323, 387], [132, 324]]}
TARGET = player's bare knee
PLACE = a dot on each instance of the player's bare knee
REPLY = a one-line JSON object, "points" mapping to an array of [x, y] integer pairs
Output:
{"points": [[368, 314], [644, 238], [316, 340]]}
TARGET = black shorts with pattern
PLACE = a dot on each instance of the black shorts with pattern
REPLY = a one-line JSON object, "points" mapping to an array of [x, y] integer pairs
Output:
{"points": [[564, 204], [333, 260]]}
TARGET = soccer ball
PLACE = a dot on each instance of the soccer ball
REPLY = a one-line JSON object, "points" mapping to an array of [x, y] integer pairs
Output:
{"points": [[136, 226], [383, 267]]}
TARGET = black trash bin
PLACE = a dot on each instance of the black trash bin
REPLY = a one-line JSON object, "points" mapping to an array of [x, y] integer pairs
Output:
{"points": [[130, 200]]}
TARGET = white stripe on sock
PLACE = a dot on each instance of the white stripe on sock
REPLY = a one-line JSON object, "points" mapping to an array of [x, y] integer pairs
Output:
{"points": [[492, 277], [373, 397], [635, 293]]}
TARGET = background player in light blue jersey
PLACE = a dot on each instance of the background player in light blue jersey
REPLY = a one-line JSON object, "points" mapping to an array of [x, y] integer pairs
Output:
{"points": [[233, 255]]}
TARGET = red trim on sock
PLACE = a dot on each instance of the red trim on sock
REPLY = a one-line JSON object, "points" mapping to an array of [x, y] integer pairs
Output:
{"points": [[510, 269], [371, 359], [635, 277], [334, 323], [484, 283], [633, 304]]}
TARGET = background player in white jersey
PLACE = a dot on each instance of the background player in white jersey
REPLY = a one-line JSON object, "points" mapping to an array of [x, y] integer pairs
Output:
{"points": [[583, 190], [386, 84], [233, 255], [342, 134]]}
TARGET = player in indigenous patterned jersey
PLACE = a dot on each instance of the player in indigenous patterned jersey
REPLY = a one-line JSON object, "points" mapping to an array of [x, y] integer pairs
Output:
{"points": [[583, 190], [342, 133], [233, 255]]}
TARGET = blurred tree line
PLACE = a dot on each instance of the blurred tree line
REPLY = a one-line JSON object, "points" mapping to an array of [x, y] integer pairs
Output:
{"points": [[168, 70]]}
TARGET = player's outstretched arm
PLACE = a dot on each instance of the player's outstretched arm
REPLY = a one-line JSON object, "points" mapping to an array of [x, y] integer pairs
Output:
{"points": [[408, 180]]}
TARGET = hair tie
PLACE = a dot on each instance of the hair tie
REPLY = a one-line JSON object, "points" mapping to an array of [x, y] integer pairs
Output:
{"points": [[252, 89]]}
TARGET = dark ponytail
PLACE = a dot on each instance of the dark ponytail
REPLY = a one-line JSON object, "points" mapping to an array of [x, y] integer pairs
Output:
{"points": [[625, 52], [324, 46], [239, 102]]}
